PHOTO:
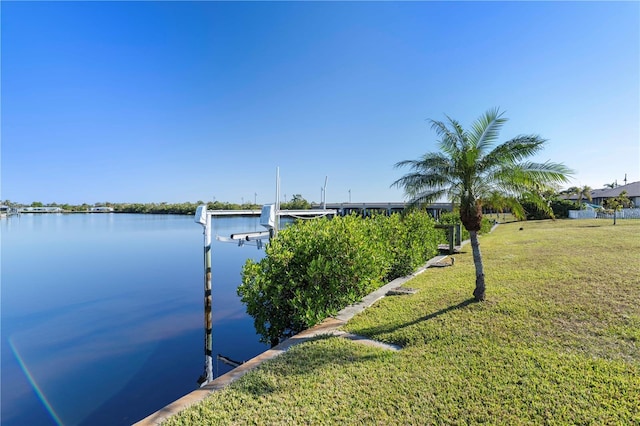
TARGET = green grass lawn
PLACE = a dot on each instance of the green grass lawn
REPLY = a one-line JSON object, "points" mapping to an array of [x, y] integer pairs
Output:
{"points": [[556, 342]]}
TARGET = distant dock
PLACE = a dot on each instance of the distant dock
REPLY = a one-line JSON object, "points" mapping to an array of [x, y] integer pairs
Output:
{"points": [[384, 207]]}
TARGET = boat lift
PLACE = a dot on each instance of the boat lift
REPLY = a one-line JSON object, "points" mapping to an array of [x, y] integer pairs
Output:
{"points": [[270, 219]]}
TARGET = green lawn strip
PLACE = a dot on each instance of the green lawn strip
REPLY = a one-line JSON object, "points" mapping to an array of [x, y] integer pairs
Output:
{"points": [[556, 283], [557, 342], [335, 381]]}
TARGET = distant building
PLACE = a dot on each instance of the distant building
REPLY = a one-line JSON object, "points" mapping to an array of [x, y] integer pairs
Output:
{"points": [[101, 209], [599, 195], [45, 209], [633, 193]]}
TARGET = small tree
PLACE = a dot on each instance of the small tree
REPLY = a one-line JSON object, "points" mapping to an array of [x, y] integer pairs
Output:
{"points": [[617, 203]]}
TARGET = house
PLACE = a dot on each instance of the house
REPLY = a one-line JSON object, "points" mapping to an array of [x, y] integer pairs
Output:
{"points": [[633, 193], [599, 195]]}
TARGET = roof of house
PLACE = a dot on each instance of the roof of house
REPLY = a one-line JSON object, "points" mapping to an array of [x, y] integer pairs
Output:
{"points": [[633, 190]]}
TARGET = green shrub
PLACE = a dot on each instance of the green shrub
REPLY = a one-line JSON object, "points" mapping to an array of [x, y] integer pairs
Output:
{"points": [[486, 225], [314, 268], [559, 207], [410, 240]]}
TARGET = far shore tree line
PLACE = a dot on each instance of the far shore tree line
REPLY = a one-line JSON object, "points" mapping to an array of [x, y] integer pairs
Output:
{"points": [[556, 200], [297, 202]]}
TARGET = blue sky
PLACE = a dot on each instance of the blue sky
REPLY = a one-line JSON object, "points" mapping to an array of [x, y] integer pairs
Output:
{"points": [[172, 101]]}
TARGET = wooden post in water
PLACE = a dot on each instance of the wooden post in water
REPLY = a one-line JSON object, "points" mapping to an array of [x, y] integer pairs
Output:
{"points": [[203, 218]]}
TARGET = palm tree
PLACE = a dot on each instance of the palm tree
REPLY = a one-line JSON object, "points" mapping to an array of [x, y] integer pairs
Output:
{"points": [[470, 170], [581, 192]]}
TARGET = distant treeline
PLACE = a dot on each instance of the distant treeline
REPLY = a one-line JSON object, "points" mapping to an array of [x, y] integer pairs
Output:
{"points": [[186, 208], [190, 208], [177, 208]]}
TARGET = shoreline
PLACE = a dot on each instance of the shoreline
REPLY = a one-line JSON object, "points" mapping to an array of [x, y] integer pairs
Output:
{"points": [[330, 326]]}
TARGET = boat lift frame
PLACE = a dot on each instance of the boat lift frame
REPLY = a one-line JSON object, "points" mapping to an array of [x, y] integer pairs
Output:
{"points": [[269, 218]]}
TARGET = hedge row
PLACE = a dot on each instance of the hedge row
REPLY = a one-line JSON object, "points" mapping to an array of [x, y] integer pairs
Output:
{"points": [[314, 268]]}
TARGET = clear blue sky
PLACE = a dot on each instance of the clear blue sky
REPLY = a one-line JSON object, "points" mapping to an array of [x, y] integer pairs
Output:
{"points": [[172, 101]]}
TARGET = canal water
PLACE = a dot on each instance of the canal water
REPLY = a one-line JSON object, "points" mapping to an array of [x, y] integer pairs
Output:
{"points": [[102, 314]]}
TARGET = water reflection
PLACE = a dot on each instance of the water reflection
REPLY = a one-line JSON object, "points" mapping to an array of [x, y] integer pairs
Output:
{"points": [[102, 314]]}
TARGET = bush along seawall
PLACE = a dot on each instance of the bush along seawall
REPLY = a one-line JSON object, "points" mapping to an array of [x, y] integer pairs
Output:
{"points": [[315, 268]]}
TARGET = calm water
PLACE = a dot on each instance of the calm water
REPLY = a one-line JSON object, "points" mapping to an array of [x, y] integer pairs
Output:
{"points": [[102, 314]]}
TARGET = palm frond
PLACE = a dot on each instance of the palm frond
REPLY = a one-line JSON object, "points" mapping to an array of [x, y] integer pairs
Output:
{"points": [[513, 150], [460, 133], [449, 142], [425, 198], [486, 129], [430, 178], [417, 182], [516, 208], [548, 172], [434, 159], [411, 163], [537, 199]]}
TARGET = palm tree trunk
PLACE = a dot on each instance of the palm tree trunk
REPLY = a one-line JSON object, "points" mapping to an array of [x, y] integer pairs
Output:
{"points": [[478, 293]]}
